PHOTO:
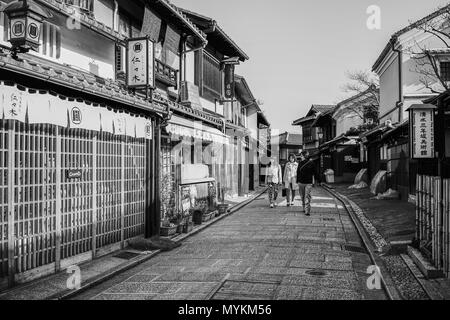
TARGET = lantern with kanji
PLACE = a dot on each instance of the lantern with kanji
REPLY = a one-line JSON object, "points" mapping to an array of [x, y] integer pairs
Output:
{"points": [[25, 24]]}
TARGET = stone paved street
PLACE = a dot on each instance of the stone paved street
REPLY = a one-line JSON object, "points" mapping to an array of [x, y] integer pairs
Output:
{"points": [[257, 253]]}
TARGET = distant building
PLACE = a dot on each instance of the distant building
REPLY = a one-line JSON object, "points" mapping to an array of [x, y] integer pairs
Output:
{"points": [[311, 140], [289, 143]]}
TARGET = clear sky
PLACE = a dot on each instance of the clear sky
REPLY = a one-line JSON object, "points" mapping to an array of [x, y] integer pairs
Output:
{"points": [[300, 50]]}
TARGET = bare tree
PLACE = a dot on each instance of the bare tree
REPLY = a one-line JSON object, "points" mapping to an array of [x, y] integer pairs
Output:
{"points": [[365, 85], [428, 59]]}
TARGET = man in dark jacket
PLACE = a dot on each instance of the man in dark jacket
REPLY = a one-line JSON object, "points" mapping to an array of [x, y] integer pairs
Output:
{"points": [[307, 177]]}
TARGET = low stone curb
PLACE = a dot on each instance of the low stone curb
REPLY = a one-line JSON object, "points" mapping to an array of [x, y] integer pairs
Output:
{"points": [[351, 208], [104, 277], [430, 291], [139, 260], [378, 240]]}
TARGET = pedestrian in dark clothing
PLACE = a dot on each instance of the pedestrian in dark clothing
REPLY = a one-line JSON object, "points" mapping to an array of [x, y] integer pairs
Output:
{"points": [[307, 177]]}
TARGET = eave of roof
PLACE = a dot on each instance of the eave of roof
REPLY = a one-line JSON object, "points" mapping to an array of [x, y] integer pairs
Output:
{"points": [[303, 120], [394, 38], [434, 100], [244, 90], [211, 26], [397, 128], [262, 119], [64, 76], [178, 13]]}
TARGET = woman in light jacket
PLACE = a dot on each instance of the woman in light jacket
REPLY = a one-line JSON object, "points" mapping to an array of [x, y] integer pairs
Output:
{"points": [[290, 179], [274, 180]]}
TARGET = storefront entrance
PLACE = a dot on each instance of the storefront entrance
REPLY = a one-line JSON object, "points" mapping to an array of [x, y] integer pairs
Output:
{"points": [[67, 195]]}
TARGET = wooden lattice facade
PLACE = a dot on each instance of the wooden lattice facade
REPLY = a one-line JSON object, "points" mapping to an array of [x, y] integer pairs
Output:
{"points": [[67, 196]]}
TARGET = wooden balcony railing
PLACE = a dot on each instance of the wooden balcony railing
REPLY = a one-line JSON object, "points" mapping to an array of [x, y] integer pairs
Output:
{"points": [[166, 74]]}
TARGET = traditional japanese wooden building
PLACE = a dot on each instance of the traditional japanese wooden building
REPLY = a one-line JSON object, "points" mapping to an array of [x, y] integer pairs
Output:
{"points": [[80, 153]]}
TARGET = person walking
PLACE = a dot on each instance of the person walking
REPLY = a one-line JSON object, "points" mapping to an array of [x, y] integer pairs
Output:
{"points": [[307, 176], [274, 180], [290, 179]]}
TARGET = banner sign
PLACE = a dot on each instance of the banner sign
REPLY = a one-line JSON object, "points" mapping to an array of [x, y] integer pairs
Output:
{"points": [[42, 107], [14, 103], [422, 133], [141, 63], [229, 81]]}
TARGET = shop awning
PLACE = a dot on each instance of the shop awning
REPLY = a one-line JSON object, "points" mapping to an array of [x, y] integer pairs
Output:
{"points": [[195, 129]]}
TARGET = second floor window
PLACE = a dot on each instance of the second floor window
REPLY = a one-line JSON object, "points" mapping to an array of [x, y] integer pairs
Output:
{"points": [[445, 70], [50, 41], [85, 6], [211, 78]]}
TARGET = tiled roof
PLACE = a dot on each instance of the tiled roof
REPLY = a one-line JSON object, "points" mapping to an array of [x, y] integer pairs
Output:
{"points": [[410, 27], [316, 108], [213, 23], [323, 107], [92, 23], [38, 68], [60, 6]]}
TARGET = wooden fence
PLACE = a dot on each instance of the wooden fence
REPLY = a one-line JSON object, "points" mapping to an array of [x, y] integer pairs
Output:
{"points": [[66, 196], [433, 219]]}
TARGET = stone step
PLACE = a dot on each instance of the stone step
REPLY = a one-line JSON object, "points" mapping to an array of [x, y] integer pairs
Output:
{"points": [[425, 266]]}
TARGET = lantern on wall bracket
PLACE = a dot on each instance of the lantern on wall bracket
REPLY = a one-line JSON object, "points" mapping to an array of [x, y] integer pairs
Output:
{"points": [[25, 24]]}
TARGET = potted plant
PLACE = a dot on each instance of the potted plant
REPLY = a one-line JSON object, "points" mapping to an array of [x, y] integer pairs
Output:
{"points": [[198, 212], [222, 206], [178, 221], [188, 226], [209, 215], [168, 229]]}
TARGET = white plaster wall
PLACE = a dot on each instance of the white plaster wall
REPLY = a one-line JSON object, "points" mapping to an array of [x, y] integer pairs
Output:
{"points": [[104, 12], [389, 89], [190, 66], [87, 50]]}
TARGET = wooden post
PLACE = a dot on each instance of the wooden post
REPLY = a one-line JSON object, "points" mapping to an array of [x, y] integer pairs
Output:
{"points": [[149, 187], [94, 194], [58, 201], [122, 196], [157, 189], [417, 209], [11, 236], [153, 208]]}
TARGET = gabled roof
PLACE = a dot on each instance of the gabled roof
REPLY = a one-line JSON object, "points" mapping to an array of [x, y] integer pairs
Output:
{"points": [[314, 112], [410, 27], [322, 108], [216, 35]]}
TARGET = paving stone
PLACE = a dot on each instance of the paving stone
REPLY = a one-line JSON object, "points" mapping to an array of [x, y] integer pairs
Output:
{"points": [[255, 254]]}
